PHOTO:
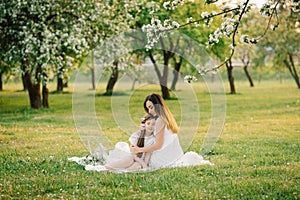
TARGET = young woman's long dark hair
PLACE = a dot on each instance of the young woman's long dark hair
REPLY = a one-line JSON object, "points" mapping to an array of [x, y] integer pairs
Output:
{"points": [[141, 140], [162, 111]]}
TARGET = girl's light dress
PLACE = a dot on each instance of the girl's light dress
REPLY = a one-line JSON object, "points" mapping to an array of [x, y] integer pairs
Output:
{"points": [[122, 149]]}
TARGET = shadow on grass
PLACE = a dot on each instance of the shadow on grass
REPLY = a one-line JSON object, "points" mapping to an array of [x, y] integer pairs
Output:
{"points": [[172, 99], [25, 110], [62, 92], [234, 94], [21, 91], [109, 94]]}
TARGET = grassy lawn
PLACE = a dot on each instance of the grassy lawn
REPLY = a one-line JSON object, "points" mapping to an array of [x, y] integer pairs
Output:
{"points": [[256, 156]]}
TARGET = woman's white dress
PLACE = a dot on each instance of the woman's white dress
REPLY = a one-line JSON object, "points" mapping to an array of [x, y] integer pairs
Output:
{"points": [[169, 153]]}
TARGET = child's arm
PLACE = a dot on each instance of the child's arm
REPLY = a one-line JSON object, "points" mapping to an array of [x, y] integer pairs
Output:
{"points": [[139, 160]]}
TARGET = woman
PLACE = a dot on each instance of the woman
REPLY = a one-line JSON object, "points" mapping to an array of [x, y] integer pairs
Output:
{"points": [[166, 150]]}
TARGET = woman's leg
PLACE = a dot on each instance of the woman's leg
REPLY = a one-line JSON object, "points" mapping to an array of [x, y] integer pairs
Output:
{"points": [[121, 164]]}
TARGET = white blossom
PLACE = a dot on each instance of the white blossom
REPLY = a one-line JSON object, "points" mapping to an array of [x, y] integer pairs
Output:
{"points": [[166, 5], [189, 78], [190, 19], [204, 14], [244, 38], [175, 24]]}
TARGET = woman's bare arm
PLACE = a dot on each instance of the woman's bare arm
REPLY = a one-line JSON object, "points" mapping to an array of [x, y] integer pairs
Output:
{"points": [[147, 158]]}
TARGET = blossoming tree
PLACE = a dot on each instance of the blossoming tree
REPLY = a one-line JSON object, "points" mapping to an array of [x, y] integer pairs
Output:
{"points": [[231, 16], [43, 37], [283, 43], [169, 50], [49, 36]]}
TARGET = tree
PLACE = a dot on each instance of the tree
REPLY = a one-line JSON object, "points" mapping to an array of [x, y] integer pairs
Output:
{"points": [[283, 42], [172, 44], [244, 54], [50, 36], [230, 26], [229, 68], [177, 65], [40, 34], [113, 79], [120, 17]]}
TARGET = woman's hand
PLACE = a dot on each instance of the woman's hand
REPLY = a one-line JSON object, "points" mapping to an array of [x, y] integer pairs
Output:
{"points": [[134, 149]]}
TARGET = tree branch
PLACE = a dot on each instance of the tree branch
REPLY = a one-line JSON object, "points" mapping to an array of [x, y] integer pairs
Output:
{"points": [[209, 17], [269, 22], [233, 39], [155, 65]]}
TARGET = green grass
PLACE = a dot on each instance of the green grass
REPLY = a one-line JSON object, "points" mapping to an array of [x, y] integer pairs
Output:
{"points": [[256, 157]]}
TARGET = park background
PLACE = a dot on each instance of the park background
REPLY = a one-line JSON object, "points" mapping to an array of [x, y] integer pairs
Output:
{"points": [[256, 155]]}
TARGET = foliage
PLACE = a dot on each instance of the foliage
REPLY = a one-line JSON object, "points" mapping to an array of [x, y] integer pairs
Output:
{"points": [[285, 37]]}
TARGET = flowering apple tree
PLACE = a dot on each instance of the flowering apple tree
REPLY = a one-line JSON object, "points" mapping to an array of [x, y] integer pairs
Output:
{"points": [[48, 37], [229, 29], [43, 37]]}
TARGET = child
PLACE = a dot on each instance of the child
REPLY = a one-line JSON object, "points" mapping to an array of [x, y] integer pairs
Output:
{"points": [[141, 138]]}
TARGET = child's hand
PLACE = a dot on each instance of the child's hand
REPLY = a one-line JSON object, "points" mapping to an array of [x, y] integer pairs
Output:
{"points": [[142, 126], [144, 165]]}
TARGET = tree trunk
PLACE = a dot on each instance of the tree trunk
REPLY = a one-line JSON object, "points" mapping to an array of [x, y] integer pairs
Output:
{"points": [[248, 76], [33, 88], [230, 77], [93, 72], [45, 93], [113, 79], [23, 78], [296, 77], [133, 84], [25, 88], [164, 79], [176, 73], [34, 92], [155, 65], [1, 82], [66, 83], [60, 85], [291, 66], [93, 78], [165, 92]]}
